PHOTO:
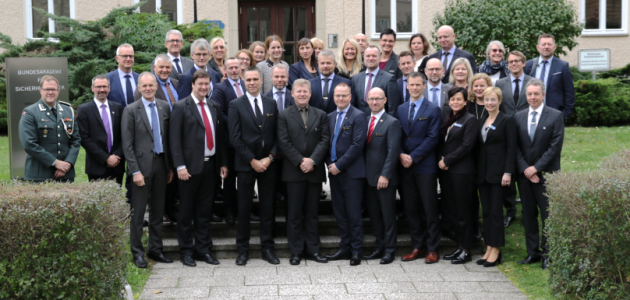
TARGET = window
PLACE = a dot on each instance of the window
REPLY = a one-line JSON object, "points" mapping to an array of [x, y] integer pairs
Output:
{"points": [[172, 8], [399, 15], [604, 17], [36, 22]]}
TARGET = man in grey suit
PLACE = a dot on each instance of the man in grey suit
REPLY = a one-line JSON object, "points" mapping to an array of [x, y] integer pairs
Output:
{"points": [[374, 77], [436, 91], [382, 152], [144, 130], [540, 132], [174, 42]]}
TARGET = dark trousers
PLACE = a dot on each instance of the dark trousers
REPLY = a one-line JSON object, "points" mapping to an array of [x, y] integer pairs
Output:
{"points": [[108, 175], [492, 196], [347, 196], [172, 194], [381, 207], [229, 186], [266, 187], [302, 205], [475, 210], [195, 210], [152, 193], [509, 201], [533, 199], [457, 193], [421, 206]]}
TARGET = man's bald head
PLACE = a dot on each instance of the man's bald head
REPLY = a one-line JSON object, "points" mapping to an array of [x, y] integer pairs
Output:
{"points": [[362, 41], [446, 37], [376, 100], [434, 71]]}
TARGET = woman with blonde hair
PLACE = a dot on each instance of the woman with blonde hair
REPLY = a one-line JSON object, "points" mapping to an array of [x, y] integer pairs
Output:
{"points": [[350, 61], [318, 46], [218, 50], [461, 73], [274, 47], [259, 52], [478, 84]]}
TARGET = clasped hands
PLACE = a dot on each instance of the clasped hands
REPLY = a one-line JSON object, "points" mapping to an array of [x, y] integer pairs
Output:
{"points": [[531, 174]]}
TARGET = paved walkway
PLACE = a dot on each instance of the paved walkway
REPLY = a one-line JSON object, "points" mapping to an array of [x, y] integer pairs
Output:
{"points": [[334, 280]]}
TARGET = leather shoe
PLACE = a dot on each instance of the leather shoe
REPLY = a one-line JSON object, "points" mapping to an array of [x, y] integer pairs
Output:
{"points": [[545, 262], [270, 257], [166, 221], [388, 258], [295, 259], [415, 254], [375, 255], [355, 260], [317, 258], [481, 261], [462, 258], [508, 221], [215, 218], [229, 218], [453, 255], [159, 257], [339, 255], [188, 261], [242, 259], [255, 195], [140, 262], [530, 259], [254, 218], [145, 223], [208, 258], [432, 257], [323, 195], [494, 263], [173, 216]]}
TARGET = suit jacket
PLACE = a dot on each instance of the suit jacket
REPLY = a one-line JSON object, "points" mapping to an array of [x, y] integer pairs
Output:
{"points": [[544, 152], [451, 58], [222, 94], [391, 66], [297, 141], [185, 81], [350, 143], [186, 63], [559, 89], [116, 92], [317, 96], [288, 98], [497, 155], [457, 149], [94, 137], [299, 70], [404, 97], [159, 93], [443, 94], [137, 136], [382, 153], [420, 140], [249, 140], [188, 133], [383, 80], [508, 106]]}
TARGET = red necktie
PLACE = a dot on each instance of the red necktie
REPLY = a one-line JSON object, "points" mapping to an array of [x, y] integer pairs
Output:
{"points": [[371, 129], [238, 90], [206, 124]]}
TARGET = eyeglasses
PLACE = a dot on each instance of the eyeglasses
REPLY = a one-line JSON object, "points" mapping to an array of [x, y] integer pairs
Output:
{"points": [[342, 95], [50, 90], [513, 62], [101, 87], [127, 56], [375, 99], [201, 54], [434, 70], [174, 41], [497, 51]]}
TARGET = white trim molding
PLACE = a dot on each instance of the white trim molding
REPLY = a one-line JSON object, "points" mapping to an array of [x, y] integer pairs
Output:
{"points": [[28, 10], [393, 21], [603, 31]]}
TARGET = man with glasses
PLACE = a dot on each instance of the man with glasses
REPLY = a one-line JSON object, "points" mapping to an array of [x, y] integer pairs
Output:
{"points": [[174, 43], [373, 77], [200, 53], [123, 80], [436, 91]]}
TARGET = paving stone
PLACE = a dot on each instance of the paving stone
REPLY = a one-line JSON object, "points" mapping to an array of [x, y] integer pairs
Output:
{"points": [[309, 297], [351, 297], [313, 289], [428, 276], [222, 292], [471, 276], [342, 278], [169, 293], [244, 270], [442, 268], [490, 296], [500, 287], [380, 269], [165, 282], [473, 267], [319, 269], [380, 287], [225, 280], [437, 287], [263, 279], [177, 264], [421, 296], [183, 272]]}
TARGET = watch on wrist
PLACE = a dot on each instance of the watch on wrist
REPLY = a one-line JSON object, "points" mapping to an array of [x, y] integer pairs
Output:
{"points": [[271, 158], [313, 161]]}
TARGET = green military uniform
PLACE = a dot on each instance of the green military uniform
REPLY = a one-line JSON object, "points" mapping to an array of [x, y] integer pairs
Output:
{"points": [[46, 138]]}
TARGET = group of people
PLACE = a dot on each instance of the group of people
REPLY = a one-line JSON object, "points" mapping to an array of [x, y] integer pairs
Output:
{"points": [[378, 123]]}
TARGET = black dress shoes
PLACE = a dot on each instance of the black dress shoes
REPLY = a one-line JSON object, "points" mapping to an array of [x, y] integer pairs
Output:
{"points": [[323, 195], [339, 255], [375, 255], [317, 258], [480, 262], [242, 259], [530, 259], [462, 258], [494, 263], [208, 258], [545, 262], [215, 218], [388, 258], [254, 218], [270, 257], [229, 218], [295, 259], [508, 221], [453, 255], [159, 257], [145, 223], [140, 262], [355, 260], [188, 261]]}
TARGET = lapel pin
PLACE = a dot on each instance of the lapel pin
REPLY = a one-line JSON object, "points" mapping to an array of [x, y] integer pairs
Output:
{"points": [[113, 112], [544, 128], [381, 121], [48, 114], [42, 119]]}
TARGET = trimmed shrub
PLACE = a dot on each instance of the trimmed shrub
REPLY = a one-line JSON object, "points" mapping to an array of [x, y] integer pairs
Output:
{"points": [[589, 231], [602, 102], [62, 241]]}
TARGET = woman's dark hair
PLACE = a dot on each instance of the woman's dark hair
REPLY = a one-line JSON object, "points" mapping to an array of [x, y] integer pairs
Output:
{"points": [[306, 41], [457, 89], [425, 43]]}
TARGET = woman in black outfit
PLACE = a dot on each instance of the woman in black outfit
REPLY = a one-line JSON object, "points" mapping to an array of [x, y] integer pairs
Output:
{"points": [[458, 135], [496, 158]]}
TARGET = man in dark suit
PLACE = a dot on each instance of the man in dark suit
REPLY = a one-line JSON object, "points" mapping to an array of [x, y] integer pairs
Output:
{"points": [[420, 120], [540, 136], [200, 156], [449, 52], [99, 125], [406, 63], [555, 74], [174, 42], [303, 138], [252, 121], [389, 59], [145, 146], [374, 77], [200, 53], [381, 162], [324, 85], [346, 171], [123, 80], [436, 91]]}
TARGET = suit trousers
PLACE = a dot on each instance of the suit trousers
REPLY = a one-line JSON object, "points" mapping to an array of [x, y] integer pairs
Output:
{"points": [[509, 201], [347, 197], [421, 206], [492, 196], [302, 206], [172, 194], [108, 175], [195, 210], [152, 193], [266, 187], [533, 199], [457, 193], [381, 207], [229, 185]]}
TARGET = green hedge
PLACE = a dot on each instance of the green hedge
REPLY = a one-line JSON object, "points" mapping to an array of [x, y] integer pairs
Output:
{"points": [[62, 241], [589, 231], [603, 102]]}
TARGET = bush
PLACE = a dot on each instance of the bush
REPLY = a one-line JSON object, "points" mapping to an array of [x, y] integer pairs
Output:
{"points": [[62, 241], [602, 102], [589, 231]]}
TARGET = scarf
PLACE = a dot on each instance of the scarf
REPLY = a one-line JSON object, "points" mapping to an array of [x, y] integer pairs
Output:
{"points": [[491, 69], [452, 118]]}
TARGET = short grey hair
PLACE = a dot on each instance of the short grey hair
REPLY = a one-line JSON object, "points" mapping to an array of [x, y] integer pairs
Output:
{"points": [[536, 82], [174, 31], [200, 43], [125, 45], [327, 53], [302, 82], [161, 57], [280, 66], [489, 48], [100, 77], [147, 74]]}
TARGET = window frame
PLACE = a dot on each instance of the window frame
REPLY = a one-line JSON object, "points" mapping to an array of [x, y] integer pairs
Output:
{"points": [[28, 9], [158, 5], [399, 35], [602, 31]]}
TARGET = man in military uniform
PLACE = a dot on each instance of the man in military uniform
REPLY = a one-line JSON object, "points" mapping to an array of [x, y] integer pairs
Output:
{"points": [[49, 136]]}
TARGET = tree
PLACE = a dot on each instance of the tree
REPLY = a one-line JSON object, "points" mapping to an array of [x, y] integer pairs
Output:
{"points": [[516, 23]]}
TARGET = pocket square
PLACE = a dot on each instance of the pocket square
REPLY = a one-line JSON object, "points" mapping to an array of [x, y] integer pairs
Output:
{"points": [[557, 73]]}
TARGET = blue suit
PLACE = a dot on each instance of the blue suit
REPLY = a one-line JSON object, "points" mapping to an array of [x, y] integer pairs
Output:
{"points": [[116, 92], [559, 89], [421, 139], [317, 98], [299, 70], [347, 187], [185, 81], [404, 97]]}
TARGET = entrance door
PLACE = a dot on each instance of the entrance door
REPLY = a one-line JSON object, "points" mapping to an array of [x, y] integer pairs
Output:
{"points": [[291, 20]]}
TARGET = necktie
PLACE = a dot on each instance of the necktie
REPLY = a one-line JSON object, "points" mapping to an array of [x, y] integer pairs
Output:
{"points": [[304, 114], [239, 92], [280, 100], [54, 112], [435, 97], [333, 149], [412, 113], [517, 91], [371, 129], [105, 117], [129, 90], [171, 97], [155, 128], [446, 61], [532, 126], [405, 92], [179, 69], [259, 116], [206, 124], [325, 92], [368, 87], [543, 71]]}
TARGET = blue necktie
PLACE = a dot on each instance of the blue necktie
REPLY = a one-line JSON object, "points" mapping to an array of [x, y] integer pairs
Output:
{"points": [[434, 96], [155, 127], [179, 70], [412, 113], [532, 126], [544, 70], [129, 90], [333, 150]]}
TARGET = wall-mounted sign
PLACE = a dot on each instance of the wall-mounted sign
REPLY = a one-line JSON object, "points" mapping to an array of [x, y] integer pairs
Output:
{"points": [[594, 60]]}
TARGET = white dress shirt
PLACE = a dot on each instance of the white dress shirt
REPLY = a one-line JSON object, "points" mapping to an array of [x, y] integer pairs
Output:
{"points": [[206, 151], [529, 117], [378, 117], [175, 64], [345, 114], [108, 112], [520, 83], [123, 81], [438, 93]]}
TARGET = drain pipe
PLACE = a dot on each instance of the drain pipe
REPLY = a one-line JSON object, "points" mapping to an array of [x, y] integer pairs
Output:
{"points": [[195, 9], [363, 17]]}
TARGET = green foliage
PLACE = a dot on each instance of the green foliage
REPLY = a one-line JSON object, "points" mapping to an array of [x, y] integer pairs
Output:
{"points": [[62, 241], [191, 32], [516, 23], [577, 75], [622, 74], [602, 102]]}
